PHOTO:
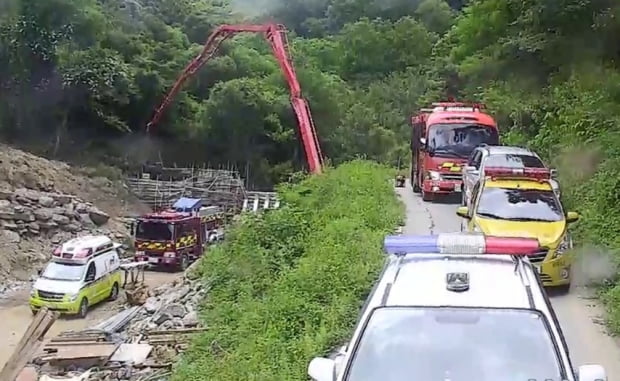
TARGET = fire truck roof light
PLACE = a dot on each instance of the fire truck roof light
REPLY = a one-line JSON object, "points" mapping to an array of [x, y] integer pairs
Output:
{"points": [[525, 173], [460, 243]]}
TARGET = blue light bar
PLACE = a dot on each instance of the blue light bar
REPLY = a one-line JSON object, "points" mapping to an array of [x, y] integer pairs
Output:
{"points": [[402, 244], [460, 243]]}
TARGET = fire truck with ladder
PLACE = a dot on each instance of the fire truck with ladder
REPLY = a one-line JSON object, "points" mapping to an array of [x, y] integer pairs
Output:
{"points": [[442, 138], [177, 236], [275, 34]]}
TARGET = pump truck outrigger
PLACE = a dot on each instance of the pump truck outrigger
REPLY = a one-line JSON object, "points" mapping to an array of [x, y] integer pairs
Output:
{"points": [[276, 36], [442, 139], [176, 237]]}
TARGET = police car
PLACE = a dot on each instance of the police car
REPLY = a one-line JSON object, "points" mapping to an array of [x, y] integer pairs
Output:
{"points": [[458, 307]]}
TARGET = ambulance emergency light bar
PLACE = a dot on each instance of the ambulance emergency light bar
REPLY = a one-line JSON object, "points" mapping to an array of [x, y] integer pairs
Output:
{"points": [[539, 174], [460, 243]]}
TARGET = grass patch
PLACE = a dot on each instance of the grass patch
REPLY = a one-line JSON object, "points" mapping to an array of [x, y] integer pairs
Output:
{"points": [[287, 286]]}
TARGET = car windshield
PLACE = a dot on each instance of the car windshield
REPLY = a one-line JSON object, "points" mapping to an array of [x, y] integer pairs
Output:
{"points": [[513, 161], [154, 231], [62, 271], [456, 344], [459, 139], [520, 205]]}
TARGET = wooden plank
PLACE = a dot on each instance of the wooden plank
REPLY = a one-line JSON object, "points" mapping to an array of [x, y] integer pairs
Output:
{"points": [[176, 331], [28, 344], [78, 352]]}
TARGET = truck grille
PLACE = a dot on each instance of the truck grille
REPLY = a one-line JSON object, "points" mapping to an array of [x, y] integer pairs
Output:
{"points": [[46, 295], [452, 176], [539, 256]]}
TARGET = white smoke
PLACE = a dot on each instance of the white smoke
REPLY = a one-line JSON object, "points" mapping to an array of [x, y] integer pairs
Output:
{"points": [[593, 266]]}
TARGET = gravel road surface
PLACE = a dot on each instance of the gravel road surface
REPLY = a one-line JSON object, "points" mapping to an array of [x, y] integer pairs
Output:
{"points": [[581, 316]]}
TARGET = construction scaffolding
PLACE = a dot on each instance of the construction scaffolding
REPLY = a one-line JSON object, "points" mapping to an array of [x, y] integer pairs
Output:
{"points": [[162, 187]]}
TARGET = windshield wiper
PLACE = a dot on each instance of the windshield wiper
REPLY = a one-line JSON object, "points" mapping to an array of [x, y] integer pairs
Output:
{"points": [[490, 215], [528, 219]]}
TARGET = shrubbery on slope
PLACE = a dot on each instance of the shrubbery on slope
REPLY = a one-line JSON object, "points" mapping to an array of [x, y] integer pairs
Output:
{"points": [[288, 285]]}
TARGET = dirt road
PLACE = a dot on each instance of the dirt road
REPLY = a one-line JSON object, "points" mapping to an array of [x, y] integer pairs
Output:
{"points": [[580, 316], [15, 315]]}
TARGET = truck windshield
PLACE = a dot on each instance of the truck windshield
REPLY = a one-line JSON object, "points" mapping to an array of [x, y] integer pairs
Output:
{"points": [[62, 271], [520, 205], [459, 139], [154, 231], [457, 344]]}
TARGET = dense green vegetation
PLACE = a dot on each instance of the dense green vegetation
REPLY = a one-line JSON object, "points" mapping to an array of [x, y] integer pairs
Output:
{"points": [[288, 286]]}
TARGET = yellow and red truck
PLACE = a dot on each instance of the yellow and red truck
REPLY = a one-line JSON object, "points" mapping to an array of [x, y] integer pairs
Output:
{"points": [[179, 235]]}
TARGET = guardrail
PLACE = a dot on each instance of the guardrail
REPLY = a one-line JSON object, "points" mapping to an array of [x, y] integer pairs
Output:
{"points": [[256, 201]]}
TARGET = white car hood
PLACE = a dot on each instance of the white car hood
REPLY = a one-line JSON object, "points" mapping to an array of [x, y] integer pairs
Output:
{"points": [[59, 286]]}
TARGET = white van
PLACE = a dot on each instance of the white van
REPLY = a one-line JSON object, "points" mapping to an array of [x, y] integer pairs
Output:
{"points": [[82, 272]]}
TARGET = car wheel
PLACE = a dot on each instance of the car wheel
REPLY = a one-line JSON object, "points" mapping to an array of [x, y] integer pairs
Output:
{"points": [[184, 262], [83, 308], [426, 196], [562, 290], [414, 183], [114, 292]]}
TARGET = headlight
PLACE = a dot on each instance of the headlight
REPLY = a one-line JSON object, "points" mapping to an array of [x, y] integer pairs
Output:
{"points": [[433, 175], [72, 298], [33, 292], [565, 245]]}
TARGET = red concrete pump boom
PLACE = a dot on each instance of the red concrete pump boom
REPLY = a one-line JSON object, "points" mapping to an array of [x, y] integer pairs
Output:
{"points": [[276, 36]]}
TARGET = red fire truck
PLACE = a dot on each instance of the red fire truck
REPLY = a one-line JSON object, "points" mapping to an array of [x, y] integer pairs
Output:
{"points": [[178, 236], [442, 139]]}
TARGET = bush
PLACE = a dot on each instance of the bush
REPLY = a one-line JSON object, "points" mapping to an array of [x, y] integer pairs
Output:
{"points": [[287, 285]]}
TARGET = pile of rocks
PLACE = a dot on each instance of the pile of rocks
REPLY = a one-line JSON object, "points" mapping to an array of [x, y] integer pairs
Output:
{"points": [[27, 212]]}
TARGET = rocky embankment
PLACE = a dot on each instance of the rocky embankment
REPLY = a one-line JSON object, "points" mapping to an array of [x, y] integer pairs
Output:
{"points": [[45, 202]]}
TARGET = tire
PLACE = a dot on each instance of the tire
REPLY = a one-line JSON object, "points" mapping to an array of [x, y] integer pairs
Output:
{"points": [[426, 197], [562, 290], [83, 308], [415, 185], [184, 264], [114, 292]]}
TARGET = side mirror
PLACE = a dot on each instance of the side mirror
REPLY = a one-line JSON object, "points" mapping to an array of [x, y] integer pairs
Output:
{"points": [[462, 211], [322, 369], [572, 217], [592, 372], [39, 272]]}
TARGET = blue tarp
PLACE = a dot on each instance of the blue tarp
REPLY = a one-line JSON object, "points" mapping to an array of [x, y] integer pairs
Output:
{"points": [[185, 204]]}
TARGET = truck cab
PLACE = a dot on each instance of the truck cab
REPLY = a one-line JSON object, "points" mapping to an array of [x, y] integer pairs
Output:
{"points": [[442, 140]]}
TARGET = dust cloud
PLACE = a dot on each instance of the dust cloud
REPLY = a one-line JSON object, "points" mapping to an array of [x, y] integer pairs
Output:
{"points": [[593, 266]]}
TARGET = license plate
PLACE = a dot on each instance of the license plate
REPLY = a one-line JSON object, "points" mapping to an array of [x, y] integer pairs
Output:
{"points": [[458, 187], [153, 260]]}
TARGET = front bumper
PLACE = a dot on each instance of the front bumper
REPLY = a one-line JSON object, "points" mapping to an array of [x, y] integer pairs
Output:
{"points": [[64, 307], [158, 260], [442, 186], [555, 272]]}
